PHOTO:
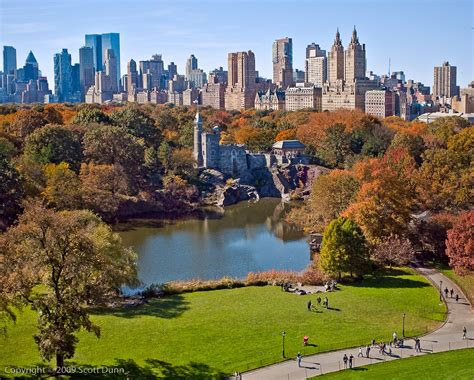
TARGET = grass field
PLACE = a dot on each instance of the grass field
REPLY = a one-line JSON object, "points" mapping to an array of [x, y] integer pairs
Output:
{"points": [[208, 334], [465, 282], [455, 365]]}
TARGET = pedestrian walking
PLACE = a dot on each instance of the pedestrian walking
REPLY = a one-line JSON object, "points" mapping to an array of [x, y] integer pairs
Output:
{"points": [[351, 360], [446, 292], [326, 302], [452, 292], [345, 359], [373, 342], [298, 358], [394, 336], [360, 352], [318, 300], [309, 305], [457, 297], [464, 333], [367, 351]]}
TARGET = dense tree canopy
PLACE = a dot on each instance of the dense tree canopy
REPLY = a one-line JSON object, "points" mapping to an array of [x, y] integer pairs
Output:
{"points": [[54, 144], [76, 259], [460, 243], [344, 249]]}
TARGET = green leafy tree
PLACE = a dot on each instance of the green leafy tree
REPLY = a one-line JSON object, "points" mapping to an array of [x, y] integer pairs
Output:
{"points": [[335, 148], [111, 145], [63, 187], [138, 124], [11, 192], [77, 261], [55, 144], [90, 115], [344, 249], [164, 155], [7, 148], [414, 144]]}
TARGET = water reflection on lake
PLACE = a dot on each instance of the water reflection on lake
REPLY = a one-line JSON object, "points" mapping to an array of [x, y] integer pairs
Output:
{"points": [[249, 237]]}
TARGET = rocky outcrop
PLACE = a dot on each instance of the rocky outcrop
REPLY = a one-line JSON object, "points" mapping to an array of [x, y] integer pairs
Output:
{"points": [[276, 182]]}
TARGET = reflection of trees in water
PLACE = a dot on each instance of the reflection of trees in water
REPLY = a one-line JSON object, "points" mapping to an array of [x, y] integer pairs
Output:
{"points": [[243, 216]]}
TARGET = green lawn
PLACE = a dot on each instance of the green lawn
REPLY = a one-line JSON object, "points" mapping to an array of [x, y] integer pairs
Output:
{"points": [[206, 334], [456, 365], [465, 282]]}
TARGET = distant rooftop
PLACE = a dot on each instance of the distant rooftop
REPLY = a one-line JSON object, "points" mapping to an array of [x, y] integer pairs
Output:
{"points": [[288, 144]]}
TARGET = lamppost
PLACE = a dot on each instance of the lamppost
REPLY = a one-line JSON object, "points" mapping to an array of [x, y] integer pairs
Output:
{"points": [[283, 343], [403, 325], [441, 290]]}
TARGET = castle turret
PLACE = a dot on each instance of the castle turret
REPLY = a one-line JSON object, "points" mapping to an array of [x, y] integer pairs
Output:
{"points": [[198, 140]]}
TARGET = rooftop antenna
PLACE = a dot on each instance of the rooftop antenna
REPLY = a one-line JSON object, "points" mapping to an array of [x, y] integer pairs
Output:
{"points": [[389, 67]]}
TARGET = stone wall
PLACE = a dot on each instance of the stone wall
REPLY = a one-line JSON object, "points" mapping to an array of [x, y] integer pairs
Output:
{"points": [[233, 160], [256, 161]]}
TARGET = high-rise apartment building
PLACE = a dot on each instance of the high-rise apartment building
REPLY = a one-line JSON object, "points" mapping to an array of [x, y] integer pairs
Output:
{"points": [[336, 60], [191, 64], [380, 103], [242, 76], [354, 59], [9, 60], [315, 65], [172, 70], [86, 69], [282, 58], [132, 76], [213, 93], [444, 83], [63, 76], [30, 71]]}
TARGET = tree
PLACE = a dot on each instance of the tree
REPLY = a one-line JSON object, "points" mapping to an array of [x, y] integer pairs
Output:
{"points": [[335, 148], [113, 146], [11, 193], [387, 198], [414, 144], [182, 162], [76, 260], [138, 124], [55, 144], [395, 250], [63, 187], [344, 249], [331, 195], [90, 115], [446, 177], [52, 115], [460, 243], [102, 188], [25, 122], [7, 148], [445, 127]]}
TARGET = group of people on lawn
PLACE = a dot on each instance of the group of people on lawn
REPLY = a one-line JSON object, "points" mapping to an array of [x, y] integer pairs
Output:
{"points": [[325, 301]]}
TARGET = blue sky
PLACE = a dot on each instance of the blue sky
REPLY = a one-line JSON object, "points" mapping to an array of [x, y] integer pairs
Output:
{"points": [[415, 34]]}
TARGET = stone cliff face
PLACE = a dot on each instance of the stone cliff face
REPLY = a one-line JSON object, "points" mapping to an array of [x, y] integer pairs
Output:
{"points": [[284, 182]]}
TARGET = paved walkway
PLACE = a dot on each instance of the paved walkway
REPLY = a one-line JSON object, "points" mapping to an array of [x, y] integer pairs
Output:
{"points": [[447, 337]]}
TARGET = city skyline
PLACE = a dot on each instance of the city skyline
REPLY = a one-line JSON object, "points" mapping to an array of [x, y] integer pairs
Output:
{"points": [[177, 41]]}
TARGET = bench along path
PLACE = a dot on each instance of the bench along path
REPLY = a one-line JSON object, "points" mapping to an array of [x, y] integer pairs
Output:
{"points": [[447, 337]]}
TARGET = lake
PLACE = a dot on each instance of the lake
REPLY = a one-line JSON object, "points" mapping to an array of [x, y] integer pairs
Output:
{"points": [[248, 237]]}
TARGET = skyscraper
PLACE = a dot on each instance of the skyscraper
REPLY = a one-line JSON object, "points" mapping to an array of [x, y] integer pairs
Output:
{"points": [[336, 60], [86, 64], [191, 64], [282, 58], [94, 41], [112, 41], [132, 76], [315, 65], [444, 83], [172, 70], [354, 59], [63, 76], [9, 60], [111, 69], [242, 78]]}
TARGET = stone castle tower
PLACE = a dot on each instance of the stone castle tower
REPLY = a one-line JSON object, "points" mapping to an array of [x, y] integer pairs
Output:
{"points": [[354, 59], [336, 60], [198, 140]]}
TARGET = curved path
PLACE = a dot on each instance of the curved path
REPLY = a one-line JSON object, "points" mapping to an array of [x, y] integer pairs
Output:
{"points": [[447, 337]]}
